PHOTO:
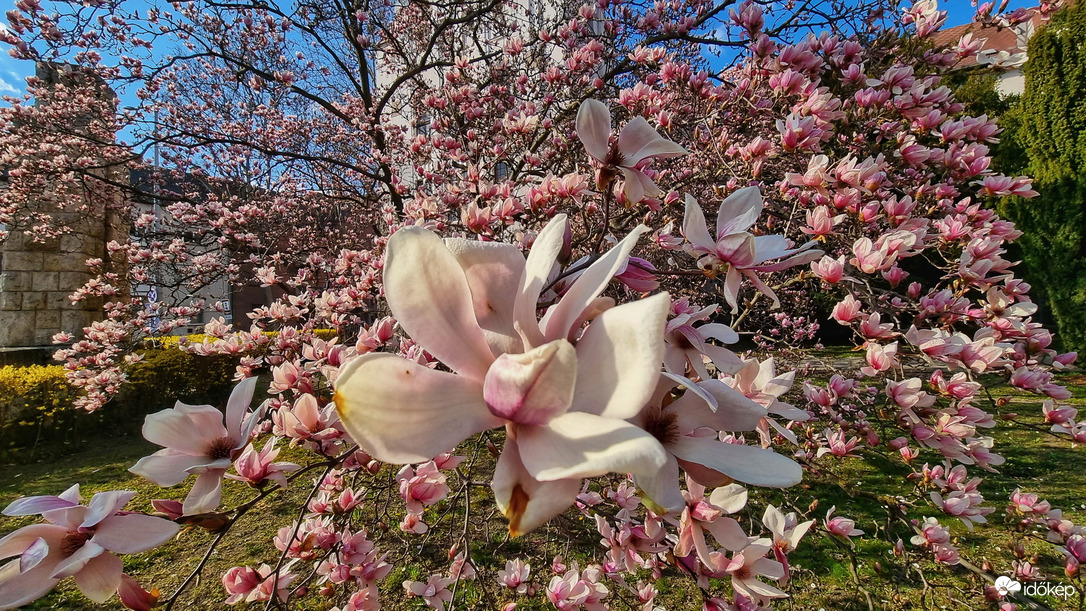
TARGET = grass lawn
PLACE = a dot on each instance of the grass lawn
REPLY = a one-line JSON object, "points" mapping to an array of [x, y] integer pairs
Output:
{"points": [[826, 573]]}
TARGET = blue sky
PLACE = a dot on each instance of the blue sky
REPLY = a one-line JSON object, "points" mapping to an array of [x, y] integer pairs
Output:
{"points": [[13, 73]]}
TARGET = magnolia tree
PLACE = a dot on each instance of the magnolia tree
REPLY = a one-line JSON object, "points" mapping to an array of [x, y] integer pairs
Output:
{"points": [[502, 305]]}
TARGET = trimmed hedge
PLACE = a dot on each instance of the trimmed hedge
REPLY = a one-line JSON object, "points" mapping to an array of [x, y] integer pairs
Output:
{"points": [[1050, 124], [36, 400]]}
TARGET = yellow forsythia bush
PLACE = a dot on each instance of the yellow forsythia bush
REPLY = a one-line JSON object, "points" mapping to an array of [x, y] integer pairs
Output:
{"points": [[34, 401], [32, 392]]}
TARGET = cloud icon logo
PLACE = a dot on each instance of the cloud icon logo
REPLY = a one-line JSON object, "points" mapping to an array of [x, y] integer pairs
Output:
{"points": [[1005, 585]]}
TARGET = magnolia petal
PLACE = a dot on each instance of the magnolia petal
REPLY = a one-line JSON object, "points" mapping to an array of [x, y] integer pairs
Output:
{"points": [[238, 404], [532, 387], [618, 358], [758, 588], [175, 429], [784, 432], [726, 361], [206, 418], [221, 464], [670, 380], [674, 360], [720, 332], [100, 577], [494, 271], [33, 555], [75, 563], [802, 257], [428, 293], [105, 504], [639, 140], [587, 287], [739, 249], [594, 128], [402, 412], [537, 269], [71, 494], [731, 287], [739, 210], [576, 445], [697, 363], [728, 533], [15, 543], [734, 411], [205, 494], [167, 468], [661, 492], [787, 410], [763, 288], [527, 502], [133, 533], [730, 498], [748, 464], [636, 185], [18, 589], [694, 227], [33, 505]]}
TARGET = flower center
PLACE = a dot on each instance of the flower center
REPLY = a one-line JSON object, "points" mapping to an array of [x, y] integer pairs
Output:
{"points": [[222, 447], [662, 425], [71, 542]]}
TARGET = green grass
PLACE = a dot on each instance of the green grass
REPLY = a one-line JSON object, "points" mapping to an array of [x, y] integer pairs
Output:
{"points": [[824, 573]]}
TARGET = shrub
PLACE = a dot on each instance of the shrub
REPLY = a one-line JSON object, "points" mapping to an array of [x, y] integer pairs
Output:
{"points": [[33, 399], [36, 401]]}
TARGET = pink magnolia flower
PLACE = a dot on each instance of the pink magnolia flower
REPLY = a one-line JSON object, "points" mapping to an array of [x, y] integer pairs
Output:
{"points": [[708, 514], [931, 533], [685, 343], [76, 543], [735, 251], [422, 488], [744, 567], [255, 468], [759, 382], [473, 306], [842, 527], [515, 575], [245, 584], [306, 421], [435, 590], [577, 589], [879, 358], [830, 271], [198, 441], [787, 532], [688, 427], [636, 142]]}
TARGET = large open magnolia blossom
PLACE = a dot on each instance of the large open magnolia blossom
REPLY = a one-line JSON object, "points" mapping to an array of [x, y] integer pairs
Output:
{"points": [[636, 142], [75, 543], [689, 427], [736, 249], [197, 441], [563, 396]]}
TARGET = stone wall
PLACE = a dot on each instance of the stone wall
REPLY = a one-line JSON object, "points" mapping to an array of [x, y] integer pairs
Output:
{"points": [[38, 277], [36, 280]]}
